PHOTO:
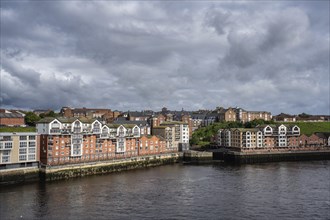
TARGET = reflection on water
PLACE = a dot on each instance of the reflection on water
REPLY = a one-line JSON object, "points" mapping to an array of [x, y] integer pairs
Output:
{"points": [[288, 190]]}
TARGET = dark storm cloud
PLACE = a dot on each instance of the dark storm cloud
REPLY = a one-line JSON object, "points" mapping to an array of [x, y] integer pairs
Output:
{"points": [[138, 55]]}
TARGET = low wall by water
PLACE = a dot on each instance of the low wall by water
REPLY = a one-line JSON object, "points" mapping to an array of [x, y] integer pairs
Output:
{"points": [[241, 158], [49, 173], [19, 175], [79, 170], [197, 156]]}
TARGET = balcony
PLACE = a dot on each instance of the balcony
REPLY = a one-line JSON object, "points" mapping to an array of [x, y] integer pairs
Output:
{"points": [[104, 136], [55, 131], [65, 131]]}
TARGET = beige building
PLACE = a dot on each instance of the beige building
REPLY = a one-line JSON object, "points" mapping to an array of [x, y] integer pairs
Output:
{"points": [[241, 115], [19, 150], [246, 138], [175, 133]]}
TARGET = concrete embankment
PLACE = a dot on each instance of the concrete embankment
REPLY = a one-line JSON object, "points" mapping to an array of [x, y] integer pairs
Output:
{"points": [[48, 173], [79, 170], [241, 157], [20, 175], [197, 157]]}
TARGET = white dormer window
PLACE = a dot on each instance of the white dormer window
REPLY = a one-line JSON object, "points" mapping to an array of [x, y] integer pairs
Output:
{"points": [[136, 131], [282, 129], [105, 132], [55, 127], [268, 130], [296, 130], [96, 127], [121, 131], [77, 127]]}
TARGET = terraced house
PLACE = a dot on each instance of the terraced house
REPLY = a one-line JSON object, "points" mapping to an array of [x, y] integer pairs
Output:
{"points": [[75, 140]]}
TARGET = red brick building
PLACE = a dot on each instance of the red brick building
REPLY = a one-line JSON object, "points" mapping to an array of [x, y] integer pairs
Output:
{"points": [[11, 119], [72, 140]]}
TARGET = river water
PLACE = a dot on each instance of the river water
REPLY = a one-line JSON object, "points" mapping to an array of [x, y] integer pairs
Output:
{"points": [[285, 190]]}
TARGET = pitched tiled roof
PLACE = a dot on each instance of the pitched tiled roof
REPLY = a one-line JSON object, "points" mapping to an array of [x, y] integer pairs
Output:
{"points": [[172, 122], [66, 120], [11, 115]]}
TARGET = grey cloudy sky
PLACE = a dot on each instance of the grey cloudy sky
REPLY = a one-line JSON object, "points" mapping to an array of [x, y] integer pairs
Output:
{"points": [[135, 55]]}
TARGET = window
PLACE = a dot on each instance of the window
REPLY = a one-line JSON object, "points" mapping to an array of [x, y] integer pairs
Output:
{"points": [[22, 138], [6, 153], [32, 157], [6, 138], [23, 144], [31, 150], [96, 127], [32, 137], [8, 145], [22, 151], [136, 131], [22, 157], [121, 132], [32, 144], [76, 127]]}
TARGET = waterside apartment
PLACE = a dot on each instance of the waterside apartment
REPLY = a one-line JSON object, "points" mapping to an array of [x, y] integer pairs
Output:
{"points": [[19, 150], [78, 140], [269, 137]]}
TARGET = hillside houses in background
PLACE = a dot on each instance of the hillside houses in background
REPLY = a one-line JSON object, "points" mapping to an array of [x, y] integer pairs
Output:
{"points": [[301, 117]]}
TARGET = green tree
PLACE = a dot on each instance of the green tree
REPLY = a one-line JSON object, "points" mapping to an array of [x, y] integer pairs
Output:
{"points": [[31, 118], [304, 115], [51, 114]]}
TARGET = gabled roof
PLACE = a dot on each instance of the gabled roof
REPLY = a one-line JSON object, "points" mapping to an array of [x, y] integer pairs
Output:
{"points": [[113, 125], [118, 125], [325, 135], [265, 125], [198, 116], [11, 115], [139, 114], [139, 123], [160, 127], [172, 123], [247, 129], [66, 120]]}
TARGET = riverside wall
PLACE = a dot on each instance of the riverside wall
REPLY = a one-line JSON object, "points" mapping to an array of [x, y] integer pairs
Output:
{"points": [[19, 175], [243, 158], [197, 157], [50, 173]]}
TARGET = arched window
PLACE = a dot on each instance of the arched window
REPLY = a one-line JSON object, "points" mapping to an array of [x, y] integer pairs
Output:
{"points": [[76, 127], [55, 127], [136, 131], [105, 132], [121, 132], [268, 130], [96, 127], [295, 130]]}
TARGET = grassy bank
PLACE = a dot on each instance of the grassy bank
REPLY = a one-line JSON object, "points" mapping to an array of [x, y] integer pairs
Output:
{"points": [[309, 128], [18, 129]]}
